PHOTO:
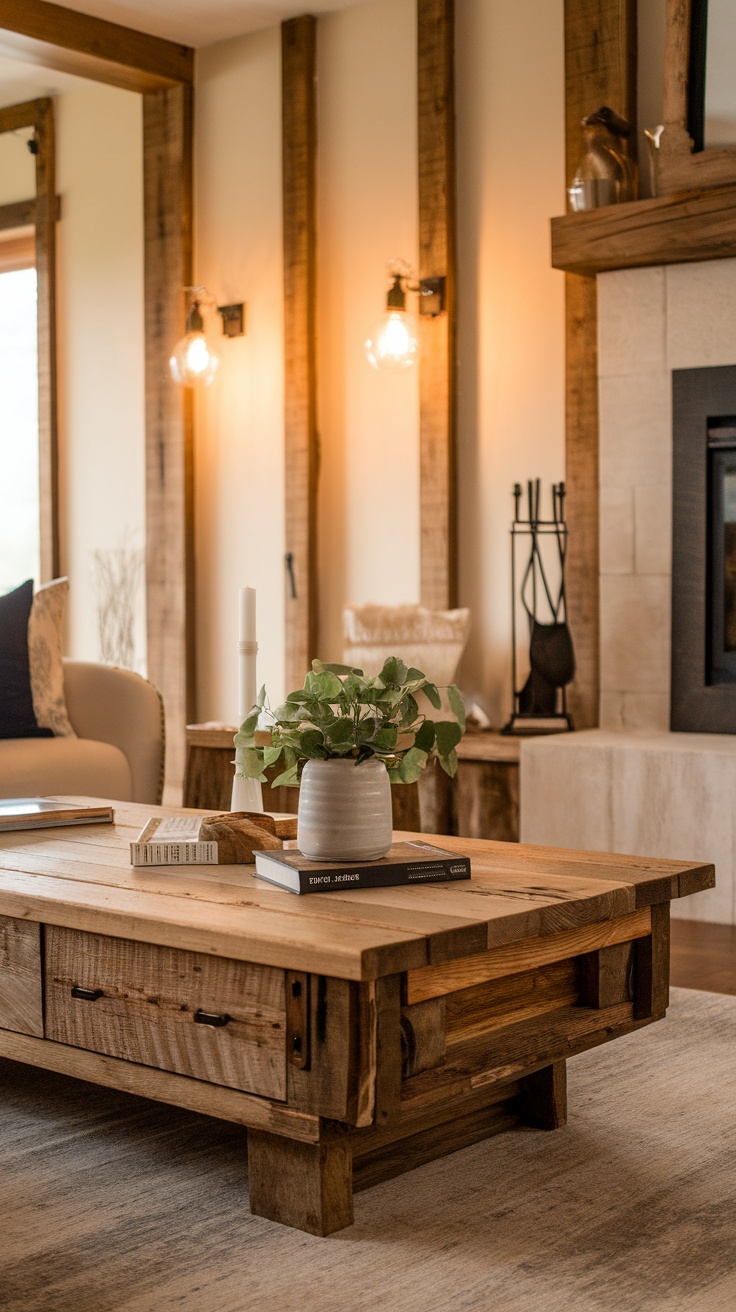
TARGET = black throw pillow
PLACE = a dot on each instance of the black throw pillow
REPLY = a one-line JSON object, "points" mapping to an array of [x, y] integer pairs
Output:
{"points": [[17, 719]]}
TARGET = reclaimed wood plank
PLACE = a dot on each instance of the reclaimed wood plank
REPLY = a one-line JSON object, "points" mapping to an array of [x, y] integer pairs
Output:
{"points": [[434, 981], [374, 1165], [517, 1051], [607, 975], [21, 998], [437, 241], [422, 1036], [167, 214], [600, 69], [299, 156], [481, 1008], [330, 1085], [150, 999], [71, 42], [652, 967], [162, 1086], [675, 229]]}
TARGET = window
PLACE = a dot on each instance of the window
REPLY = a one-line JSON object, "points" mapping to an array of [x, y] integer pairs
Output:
{"points": [[19, 472]]}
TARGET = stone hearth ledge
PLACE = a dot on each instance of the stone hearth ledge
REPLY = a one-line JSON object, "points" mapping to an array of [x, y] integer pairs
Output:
{"points": [[641, 794]]}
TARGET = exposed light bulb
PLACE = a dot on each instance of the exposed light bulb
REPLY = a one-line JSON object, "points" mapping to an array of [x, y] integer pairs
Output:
{"points": [[193, 362], [393, 344]]}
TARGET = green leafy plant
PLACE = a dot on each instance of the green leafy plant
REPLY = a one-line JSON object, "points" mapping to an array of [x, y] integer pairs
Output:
{"points": [[339, 714]]}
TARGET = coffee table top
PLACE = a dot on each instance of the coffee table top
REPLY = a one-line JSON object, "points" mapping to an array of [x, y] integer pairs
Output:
{"points": [[81, 877]]}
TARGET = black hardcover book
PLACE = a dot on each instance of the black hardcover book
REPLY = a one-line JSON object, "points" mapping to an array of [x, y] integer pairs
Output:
{"points": [[406, 863]]}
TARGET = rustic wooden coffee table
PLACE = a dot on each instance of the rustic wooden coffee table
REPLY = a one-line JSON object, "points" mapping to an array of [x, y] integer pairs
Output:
{"points": [[355, 1034]]}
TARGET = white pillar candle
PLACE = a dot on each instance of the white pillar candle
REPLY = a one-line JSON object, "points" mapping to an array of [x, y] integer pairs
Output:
{"points": [[246, 794], [247, 652]]}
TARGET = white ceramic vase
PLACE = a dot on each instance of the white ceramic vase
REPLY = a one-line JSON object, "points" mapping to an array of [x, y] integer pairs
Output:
{"points": [[344, 811]]}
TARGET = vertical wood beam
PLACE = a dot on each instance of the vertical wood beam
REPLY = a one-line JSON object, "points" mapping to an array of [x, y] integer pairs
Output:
{"points": [[46, 291], [299, 127], [600, 69], [167, 203], [436, 135]]}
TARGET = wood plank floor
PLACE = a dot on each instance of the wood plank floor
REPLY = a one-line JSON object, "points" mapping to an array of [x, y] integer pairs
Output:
{"points": [[703, 956]]}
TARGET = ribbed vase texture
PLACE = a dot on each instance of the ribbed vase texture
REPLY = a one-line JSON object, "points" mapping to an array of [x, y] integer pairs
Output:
{"points": [[344, 811]]}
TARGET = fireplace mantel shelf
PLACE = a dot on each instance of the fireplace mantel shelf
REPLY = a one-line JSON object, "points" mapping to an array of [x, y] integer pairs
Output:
{"points": [[694, 225]]}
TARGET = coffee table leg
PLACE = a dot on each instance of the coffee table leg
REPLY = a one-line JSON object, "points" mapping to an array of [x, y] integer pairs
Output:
{"points": [[543, 1097], [305, 1185]]}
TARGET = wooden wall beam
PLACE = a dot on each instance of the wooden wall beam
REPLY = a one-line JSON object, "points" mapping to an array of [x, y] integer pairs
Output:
{"points": [[600, 69], [167, 202], [299, 127], [42, 212], [436, 139], [63, 39]]}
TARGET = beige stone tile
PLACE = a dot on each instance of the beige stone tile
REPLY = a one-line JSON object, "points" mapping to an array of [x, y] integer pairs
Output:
{"points": [[653, 529], [701, 314], [647, 710], [680, 804], [635, 430], [631, 322], [565, 797], [617, 530], [635, 633], [611, 710]]}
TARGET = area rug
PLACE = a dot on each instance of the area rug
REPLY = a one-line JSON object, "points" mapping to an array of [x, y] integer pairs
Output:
{"points": [[113, 1204]]}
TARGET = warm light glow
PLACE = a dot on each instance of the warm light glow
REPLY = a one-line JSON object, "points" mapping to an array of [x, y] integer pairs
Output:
{"points": [[393, 345], [193, 362]]}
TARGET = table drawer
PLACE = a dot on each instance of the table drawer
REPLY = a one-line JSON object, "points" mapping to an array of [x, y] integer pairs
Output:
{"points": [[215, 1019], [21, 999]]}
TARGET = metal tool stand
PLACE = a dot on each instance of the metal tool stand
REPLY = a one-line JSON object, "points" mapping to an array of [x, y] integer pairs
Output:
{"points": [[529, 531]]}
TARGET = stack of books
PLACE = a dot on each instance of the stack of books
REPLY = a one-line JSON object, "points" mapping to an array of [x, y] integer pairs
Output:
{"points": [[406, 863]]}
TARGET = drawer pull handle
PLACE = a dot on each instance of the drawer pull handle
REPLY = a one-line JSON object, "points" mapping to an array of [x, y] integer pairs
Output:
{"points": [[87, 995], [210, 1018]]}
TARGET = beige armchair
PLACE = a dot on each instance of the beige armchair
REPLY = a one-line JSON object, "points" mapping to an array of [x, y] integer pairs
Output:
{"points": [[119, 751]]}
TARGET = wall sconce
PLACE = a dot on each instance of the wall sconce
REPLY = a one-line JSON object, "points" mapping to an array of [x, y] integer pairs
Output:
{"points": [[193, 362], [393, 343]]}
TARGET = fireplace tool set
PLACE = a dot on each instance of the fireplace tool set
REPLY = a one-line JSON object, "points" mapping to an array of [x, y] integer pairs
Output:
{"points": [[540, 704]]}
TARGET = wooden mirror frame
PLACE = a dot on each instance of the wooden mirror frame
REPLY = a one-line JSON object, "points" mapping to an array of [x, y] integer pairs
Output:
{"points": [[681, 167], [41, 215]]}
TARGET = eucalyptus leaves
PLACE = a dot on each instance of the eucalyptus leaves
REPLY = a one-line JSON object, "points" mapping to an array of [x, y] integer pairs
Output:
{"points": [[340, 713]]}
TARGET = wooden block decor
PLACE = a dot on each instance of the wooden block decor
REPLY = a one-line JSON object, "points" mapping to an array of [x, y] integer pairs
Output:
{"points": [[299, 155], [167, 182], [437, 382], [600, 69]]}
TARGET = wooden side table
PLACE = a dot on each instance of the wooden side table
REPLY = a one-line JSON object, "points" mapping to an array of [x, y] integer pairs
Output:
{"points": [[481, 802]]}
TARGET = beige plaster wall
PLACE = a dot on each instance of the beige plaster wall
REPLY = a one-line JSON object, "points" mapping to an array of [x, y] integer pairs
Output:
{"points": [[100, 345], [239, 458], [510, 144], [368, 418], [99, 172], [510, 114]]}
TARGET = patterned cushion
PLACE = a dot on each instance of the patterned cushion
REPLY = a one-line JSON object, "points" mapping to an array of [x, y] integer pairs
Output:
{"points": [[44, 654], [17, 719]]}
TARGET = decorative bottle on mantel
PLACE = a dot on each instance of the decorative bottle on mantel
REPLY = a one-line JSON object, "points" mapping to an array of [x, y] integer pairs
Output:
{"points": [[605, 174]]}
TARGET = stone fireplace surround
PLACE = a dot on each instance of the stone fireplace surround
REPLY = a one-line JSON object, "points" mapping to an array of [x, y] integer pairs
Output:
{"points": [[632, 786]]}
